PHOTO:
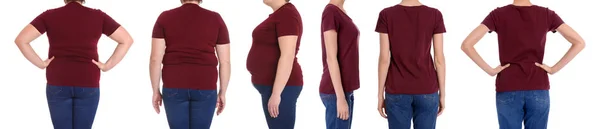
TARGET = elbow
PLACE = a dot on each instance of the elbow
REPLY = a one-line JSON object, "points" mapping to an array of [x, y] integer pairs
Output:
{"points": [[464, 47], [19, 42], [225, 63], [129, 41], [440, 61]]}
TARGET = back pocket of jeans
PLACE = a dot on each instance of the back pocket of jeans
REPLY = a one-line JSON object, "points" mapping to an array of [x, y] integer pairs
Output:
{"points": [[53, 90], [505, 97]]}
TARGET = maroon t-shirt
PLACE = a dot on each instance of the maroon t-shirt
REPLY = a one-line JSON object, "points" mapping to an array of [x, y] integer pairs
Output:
{"points": [[191, 34], [73, 34], [521, 40], [264, 54], [410, 30], [334, 18]]}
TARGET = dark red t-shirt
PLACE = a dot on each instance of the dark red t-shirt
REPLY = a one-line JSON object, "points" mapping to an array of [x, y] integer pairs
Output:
{"points": [[334, 18], [191, 34], [410, 30], [521, 40], [264, 54], [73, 34]]}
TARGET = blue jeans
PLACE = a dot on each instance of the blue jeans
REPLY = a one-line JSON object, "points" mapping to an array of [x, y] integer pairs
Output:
{"points": [[188, 108], [530, 106], [72, 107], [421, 108], [331, 119], [287, 107]]}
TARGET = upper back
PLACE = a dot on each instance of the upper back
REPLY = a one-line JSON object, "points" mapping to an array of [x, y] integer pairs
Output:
{"points": [[190, 23], [405, 21], [525, 19], [74, 23]]}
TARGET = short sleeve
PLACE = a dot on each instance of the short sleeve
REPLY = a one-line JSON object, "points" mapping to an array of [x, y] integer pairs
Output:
{"points": [[223, 37], [159, 30], [328, 21], [439, 25], [40, 22], [490, 21], [287, 25], [554, 21], [109, 25], [382, 26]]}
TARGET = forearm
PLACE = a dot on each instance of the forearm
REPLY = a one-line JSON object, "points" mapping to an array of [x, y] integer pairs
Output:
{"points": [[155, 71], [336, 80], [31, 55], [384, 64], [472, 53], [224, 75], [284, 70], [440, 66], [571, 53], [117, 55]]}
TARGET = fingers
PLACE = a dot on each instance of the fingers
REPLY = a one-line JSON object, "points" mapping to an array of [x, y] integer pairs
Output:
{"points": [[381, 112], [50, 60], [505, 66], [273, 111], [156, 107], [343, 115], [441, 110]]}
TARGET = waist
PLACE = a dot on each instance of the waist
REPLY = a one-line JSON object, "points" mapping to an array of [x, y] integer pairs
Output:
{"points": [[67, 73]]}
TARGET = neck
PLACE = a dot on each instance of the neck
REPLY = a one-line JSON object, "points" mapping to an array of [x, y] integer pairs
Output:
{"points": [[522, 3], [277, 4], [410, 3], [339, 3], [190, 2], [79, 2]]}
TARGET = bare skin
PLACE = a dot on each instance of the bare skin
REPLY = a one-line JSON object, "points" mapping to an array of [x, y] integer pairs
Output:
{"points": [[30, 33], [287, 46], [156, 58], [331, 45], [577, 44], [384, 63]]}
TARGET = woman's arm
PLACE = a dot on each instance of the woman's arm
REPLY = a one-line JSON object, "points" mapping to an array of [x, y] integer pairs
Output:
{"points": [[224, 67], [287, 46], [384, 65], [28, 34], [331, 47], [122, 37], [156, 58], [224, 74], [468, 46], [577, 44], [440, 67]]}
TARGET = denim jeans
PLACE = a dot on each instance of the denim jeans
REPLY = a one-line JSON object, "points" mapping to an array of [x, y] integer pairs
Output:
{"points": [[532, 107], [331, 119], [72, 107], [287, 107], [421, 108], [188, 108]]}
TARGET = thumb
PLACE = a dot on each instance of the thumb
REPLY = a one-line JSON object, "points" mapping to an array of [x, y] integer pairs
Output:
{"points": [[95, 62], [506, 65], [538, 64], [51, 58]]}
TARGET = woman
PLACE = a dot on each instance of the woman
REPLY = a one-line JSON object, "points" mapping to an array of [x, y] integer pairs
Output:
{"points": [[184, 40], [522, 88], [340, 78], [73, 69], [413, 83], [272, 62]]}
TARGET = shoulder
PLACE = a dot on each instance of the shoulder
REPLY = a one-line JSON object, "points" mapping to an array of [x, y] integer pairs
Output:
{"points": [[286, 13], [433, 10], [211, 13]]}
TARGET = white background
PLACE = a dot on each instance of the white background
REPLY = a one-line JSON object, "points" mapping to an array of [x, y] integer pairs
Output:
{"points": [[126, 94]]}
